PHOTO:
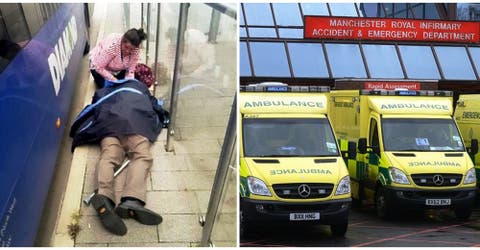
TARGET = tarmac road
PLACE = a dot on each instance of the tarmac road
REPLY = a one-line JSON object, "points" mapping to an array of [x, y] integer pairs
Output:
{"points": [[430, 229]]}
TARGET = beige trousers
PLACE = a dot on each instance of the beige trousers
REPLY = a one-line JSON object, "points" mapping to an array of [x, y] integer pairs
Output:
{"points": [[113, 149]]}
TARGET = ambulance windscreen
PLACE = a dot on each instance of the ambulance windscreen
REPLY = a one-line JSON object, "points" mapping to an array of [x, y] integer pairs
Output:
{"points": [[411, 134], [288, 137]]}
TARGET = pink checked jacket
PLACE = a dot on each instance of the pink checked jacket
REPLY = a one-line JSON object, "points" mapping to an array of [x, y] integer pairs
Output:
{"points": [[106, 58]]}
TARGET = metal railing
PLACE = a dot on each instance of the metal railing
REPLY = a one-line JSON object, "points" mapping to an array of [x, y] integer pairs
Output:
{"points": [[228, 150]]}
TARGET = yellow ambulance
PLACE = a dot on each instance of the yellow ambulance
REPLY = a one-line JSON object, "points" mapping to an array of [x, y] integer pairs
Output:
{"points": [[291, 169], [467, 115], [410, 152]]}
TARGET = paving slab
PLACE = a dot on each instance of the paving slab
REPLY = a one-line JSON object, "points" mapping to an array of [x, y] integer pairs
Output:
{"points": [[168, 180], [169, 163], [93, 232], [207, 146], [146, 244], [92, 245], [180, 228], [199, 180], [225, 227], [173, 202]]}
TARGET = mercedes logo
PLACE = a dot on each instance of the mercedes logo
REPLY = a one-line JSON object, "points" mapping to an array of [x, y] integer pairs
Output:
{"points": [[438, 180], [304, 190]]}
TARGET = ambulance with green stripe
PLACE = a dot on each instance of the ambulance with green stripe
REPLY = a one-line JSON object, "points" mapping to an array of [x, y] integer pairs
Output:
{"points": [[410, 154], [467, 116], [291, 169]]}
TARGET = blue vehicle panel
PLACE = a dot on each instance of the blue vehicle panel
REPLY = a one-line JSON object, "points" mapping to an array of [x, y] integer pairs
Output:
{"points": [[35, 92]]}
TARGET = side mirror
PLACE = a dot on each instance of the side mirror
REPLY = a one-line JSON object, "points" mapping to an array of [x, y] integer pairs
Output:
{"points": [[352, 150], [474, 146], [362, 145]]}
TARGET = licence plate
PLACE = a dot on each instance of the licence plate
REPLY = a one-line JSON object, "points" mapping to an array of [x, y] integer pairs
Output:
{"points": [[304, 216], [438, 202]]}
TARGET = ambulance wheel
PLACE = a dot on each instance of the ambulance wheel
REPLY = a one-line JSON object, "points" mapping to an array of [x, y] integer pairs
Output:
{"points": [[244, 225], [382, 206], [463, 213], [339, 230], [356, 203]]}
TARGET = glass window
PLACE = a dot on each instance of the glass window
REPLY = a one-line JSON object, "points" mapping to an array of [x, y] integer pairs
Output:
{"points": [[475, 52], [454, 63], [409, 10], [53, 8], [400, 10], [431, 11], [258, 14], [382, 61], [389, 9], [49, 9], [262, 32], [343, 9], [345, 60], [319, 9], [244, 60], [288, 137], [419, 62], [269, 59], [33, 16], [400, 134], [243, 32], [197, 19], [290, 33], [307, 60], [14, 22], [3, 30], [359, 11], [44, 12], [287, 14], [13, 33], [468, 11], [371, 10], [374, 141], [418, 10]]}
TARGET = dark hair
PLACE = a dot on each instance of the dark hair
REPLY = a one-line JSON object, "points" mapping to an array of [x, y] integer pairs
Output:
{"points": [[134, 36]]}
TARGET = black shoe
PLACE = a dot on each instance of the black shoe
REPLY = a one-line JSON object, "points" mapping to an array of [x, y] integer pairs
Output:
{"points": [[134, 209], [110, 220]]}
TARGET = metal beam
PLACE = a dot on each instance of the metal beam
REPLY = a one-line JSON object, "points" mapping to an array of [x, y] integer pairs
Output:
{"points": [[228, 151], [225, 9], [182, 26]]}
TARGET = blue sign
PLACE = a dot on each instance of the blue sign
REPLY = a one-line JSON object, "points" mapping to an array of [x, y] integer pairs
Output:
{"points": [[407, 92], [277, 89]]}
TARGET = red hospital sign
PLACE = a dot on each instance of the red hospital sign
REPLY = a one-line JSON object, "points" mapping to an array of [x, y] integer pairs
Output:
{"points": [[392, 85], [349, 28]]}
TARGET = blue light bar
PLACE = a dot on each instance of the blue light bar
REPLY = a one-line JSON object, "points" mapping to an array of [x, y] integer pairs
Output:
{"points": [[277, 89], [407, 92]]}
